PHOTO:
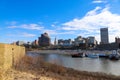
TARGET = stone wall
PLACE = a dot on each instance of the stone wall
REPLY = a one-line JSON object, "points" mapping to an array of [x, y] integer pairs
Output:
{"points": [[10, 55]]}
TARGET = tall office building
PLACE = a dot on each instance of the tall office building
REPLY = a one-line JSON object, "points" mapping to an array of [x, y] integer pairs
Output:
{"points": [[104, 36]]}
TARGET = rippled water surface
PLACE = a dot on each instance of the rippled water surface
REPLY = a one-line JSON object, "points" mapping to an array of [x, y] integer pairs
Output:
{"points": [[83, 64]]}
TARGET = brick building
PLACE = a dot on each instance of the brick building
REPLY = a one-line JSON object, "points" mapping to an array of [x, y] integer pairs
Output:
{"points": [[44, 40]]}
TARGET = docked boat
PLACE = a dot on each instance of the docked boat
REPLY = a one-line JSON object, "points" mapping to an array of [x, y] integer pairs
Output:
{"points": [[115, 55], [92, 55], [103, 55], [78, 55]]}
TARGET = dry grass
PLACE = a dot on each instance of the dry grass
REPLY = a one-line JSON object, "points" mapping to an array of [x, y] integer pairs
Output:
{"points": [[39, 69], [34, 68]]}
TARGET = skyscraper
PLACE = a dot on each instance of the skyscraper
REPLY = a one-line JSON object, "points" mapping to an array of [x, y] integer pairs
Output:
{"points": [[104, 36]]}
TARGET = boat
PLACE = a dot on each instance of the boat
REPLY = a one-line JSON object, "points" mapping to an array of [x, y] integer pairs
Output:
{"points": [[78, 55], [103, 55], [115, 55], [92, 55]]}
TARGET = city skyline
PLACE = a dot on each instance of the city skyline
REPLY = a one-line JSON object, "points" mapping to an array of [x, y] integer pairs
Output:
{"points": [[64, 19]]}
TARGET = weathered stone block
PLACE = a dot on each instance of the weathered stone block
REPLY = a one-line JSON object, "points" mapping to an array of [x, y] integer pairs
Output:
{"points": [[9, 56]]}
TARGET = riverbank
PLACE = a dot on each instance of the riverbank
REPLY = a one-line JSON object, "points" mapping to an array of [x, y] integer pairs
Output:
{"points": [[34, 68], [68, 52]]}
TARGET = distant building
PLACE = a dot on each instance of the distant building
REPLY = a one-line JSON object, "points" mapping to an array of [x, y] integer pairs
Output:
{"points": [[60, 42], [104, 36], [20, 43], [44, 40], [91, 41], [13, 43], [55, 41], [79, 40], [84, 43], [35, 43], [67, 42], [117, 40], [29, 43]]}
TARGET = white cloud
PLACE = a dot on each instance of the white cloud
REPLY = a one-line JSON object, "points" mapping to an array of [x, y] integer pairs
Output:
{"points": [[11, 22], [28, 26], [54, 32], [31, 26], [28, 35], [93, 12], [51, 32], [24, 34], [53, 25], [94, 20], [99, 1], [68, 32], [12, 26]]}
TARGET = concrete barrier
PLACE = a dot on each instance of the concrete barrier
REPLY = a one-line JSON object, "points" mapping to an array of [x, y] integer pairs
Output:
{"points": [[9, 56]]}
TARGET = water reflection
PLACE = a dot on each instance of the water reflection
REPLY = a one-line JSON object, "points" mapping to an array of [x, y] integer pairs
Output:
{"points": [[83, 64]]}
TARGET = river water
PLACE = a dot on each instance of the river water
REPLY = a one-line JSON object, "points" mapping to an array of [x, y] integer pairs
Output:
{"points": [[83, 64]]}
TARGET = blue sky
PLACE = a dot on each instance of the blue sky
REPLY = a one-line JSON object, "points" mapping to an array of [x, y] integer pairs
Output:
{"points": [[26, 20]]}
